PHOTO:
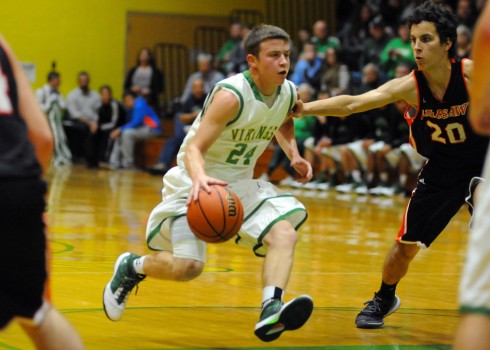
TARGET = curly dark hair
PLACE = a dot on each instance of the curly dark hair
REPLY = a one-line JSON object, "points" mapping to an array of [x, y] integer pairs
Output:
{"points": [[444, 21]]}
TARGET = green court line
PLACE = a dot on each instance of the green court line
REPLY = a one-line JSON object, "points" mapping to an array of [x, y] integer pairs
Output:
{"points": [[8, 347], [334, 347], [66, 247], [405, 311]]}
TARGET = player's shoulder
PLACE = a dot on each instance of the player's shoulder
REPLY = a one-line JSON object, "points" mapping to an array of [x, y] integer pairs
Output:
{"points": [[401, 87]]}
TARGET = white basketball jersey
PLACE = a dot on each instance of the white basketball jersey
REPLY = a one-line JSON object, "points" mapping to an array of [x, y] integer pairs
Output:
{"points": [[233, 155]]}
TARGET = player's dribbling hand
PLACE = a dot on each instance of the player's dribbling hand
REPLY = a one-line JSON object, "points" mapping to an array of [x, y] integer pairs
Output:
{"points": [[202, 183]]}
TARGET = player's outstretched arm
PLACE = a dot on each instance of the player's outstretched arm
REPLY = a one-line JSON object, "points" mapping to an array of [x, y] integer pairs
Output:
{"points": [[37, 124], [480, 85], [222, 109], [344, 105]]}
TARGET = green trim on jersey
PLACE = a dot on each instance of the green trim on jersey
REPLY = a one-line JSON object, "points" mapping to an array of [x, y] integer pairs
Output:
{"points": [[255, 89], [157, 229], [268, 228], [205, 104], [292, 97], [240, 100], [475, 310]]}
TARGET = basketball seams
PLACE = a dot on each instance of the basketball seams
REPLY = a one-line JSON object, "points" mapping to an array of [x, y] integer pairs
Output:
{"points": [[206, 214], [205, 217], [223, 210]]}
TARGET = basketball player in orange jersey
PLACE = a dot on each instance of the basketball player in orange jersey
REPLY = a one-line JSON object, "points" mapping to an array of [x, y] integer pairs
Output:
{"points": [[474, 329], [26, 146], [239, 118], [436, 93]]}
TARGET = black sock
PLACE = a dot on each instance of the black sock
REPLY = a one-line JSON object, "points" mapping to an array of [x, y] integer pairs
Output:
{"points": [[387, 291]]}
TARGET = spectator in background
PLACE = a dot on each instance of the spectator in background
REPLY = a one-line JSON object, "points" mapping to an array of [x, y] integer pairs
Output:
{"points": [[238, 58], [465, 13], [145, 79], [205, 72], [391, 11], [303, 129], [321, 38], [82, 104], [354, 154], [375, 43], [353, 35], [304, 37], [329, 137], [235, 39], [111, 116], [336, 75], [463, 41], [398, 50], [50, 93], [143, 124], [182, 120], [309, 68], [52, 104]]}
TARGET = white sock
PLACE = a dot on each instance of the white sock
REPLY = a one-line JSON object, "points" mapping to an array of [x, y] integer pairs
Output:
{"points": [[403, 179], [138, 265], [356, 176], [271, 292], [383, 177], [370, 177]]}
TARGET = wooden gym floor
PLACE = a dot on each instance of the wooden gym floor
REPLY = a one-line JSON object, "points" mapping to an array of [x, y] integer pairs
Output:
{"points": [[96, 215]]}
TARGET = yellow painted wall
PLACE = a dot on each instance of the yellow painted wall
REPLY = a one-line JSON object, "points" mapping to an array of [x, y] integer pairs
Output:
{"points": [[89, 34]]}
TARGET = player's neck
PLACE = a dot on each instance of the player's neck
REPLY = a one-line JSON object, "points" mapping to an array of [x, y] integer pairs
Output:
{"points": [[439, 75], [264, 87]]}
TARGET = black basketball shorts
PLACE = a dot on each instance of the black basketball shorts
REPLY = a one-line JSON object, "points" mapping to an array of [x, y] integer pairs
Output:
{"points": [[437, 198], [23, 268]]}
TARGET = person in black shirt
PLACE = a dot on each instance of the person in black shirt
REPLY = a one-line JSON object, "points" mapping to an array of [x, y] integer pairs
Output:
{"points": [[111, 116], [26, 147], [182, 120], [437, 95], [145, 79]]}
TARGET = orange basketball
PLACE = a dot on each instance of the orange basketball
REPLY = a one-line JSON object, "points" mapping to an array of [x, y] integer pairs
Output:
{"points": [[217, 216]]}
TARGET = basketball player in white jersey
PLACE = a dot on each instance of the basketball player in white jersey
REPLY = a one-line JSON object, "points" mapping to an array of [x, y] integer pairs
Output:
{"points": [[474, 329], [239, 118]]}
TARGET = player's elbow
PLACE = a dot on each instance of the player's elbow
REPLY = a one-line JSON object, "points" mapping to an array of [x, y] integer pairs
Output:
{"points": [[348, 110]]}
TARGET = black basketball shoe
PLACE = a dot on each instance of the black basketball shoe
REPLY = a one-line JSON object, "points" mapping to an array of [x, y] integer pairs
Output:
{"points": [[375, 311]]}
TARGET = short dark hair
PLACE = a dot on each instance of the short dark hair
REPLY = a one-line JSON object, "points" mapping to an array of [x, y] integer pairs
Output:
{"points": [[262, 33], [444, 21], [129, 93], [106, 87], [83, 73], [151, 60], [53, 75]]}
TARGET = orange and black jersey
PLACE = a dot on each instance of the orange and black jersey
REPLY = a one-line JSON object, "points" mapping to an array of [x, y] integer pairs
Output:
{"points": [[440, 129], [17, 156]]}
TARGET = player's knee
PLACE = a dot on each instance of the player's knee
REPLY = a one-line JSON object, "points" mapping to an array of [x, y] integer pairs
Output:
{"points": [[283, 235], [188, 270], [404, 252]]}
